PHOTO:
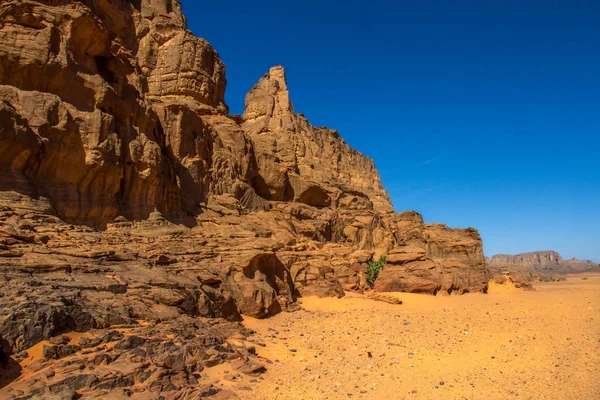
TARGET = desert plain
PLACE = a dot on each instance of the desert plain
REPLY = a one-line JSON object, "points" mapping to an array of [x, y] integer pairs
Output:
{"points": [[508, 344]]}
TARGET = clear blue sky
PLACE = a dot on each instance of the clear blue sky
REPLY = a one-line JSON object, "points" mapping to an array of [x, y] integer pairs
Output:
{"points": [[482, 113]]}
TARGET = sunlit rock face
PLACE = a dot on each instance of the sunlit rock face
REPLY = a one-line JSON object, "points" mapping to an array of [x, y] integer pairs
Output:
{"points": [[299, 162], [79, 81], [129, 197]]}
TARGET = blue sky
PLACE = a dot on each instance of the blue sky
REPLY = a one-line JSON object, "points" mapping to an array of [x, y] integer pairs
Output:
{"points": [[477, 113]]}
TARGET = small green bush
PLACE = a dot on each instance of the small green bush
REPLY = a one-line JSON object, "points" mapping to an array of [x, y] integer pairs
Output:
{"points": [[373, 269]]}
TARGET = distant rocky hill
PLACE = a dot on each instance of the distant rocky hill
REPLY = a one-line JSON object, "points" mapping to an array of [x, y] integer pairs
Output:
{"points": [[550, 262]]}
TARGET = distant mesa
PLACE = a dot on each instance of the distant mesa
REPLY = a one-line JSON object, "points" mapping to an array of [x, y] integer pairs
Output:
{"points": [[548, 261]]}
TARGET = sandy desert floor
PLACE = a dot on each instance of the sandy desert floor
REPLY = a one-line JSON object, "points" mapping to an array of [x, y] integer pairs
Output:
{"points": [[509, 344]]}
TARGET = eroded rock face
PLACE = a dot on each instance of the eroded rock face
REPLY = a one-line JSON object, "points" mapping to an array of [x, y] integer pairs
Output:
{"points": [[174, 61], [130, 200], [263, 287], [302, 163], [434, 259], [78, 81], [67, 86]]}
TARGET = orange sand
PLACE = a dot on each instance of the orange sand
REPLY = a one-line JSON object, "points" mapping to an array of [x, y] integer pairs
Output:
{"points": [[509, 344], [16, 373]]}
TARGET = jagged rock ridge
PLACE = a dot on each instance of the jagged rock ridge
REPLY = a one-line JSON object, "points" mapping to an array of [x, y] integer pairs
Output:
{"points": [[112, 118], [298, 162]]}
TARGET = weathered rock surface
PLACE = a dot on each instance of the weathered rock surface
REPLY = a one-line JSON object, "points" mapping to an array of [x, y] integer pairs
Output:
{"points": [[433, 258], [133, 207], [159, 291], [301, 163], [516, 280], [543, 261]]}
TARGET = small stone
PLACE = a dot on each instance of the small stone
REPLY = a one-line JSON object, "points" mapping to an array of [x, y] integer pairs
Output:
{"points": [[57, 340]]}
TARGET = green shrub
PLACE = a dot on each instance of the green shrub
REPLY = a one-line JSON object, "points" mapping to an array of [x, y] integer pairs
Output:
{"points": [[373, 269]]}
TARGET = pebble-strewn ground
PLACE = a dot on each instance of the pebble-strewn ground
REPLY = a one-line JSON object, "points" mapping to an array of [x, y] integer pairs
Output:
{"points": [[506, 345]]}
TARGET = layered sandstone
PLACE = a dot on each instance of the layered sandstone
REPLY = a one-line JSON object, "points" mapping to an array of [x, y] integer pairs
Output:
{"points": [[133, 208], [535, 259], [87, 94], [433, 258], [299, 162]]}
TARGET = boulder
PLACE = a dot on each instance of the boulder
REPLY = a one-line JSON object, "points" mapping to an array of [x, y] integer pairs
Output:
{"points": [[257, 286]]}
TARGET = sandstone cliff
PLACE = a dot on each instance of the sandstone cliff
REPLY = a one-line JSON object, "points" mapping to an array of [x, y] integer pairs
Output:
{"points": [[544, 261], [298, 162], [130, 198], [534, 259]]}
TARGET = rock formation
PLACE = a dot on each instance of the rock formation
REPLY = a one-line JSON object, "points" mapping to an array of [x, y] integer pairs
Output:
{"points": [[534, 259], [135, 209], [432, 258], [298, 162], [543, 261]]}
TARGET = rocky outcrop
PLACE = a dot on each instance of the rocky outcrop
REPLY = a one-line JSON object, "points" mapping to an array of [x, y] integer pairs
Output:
{"points": [[543, 261], [535, 259], [433, 259], [299, 162], [576, 265], [94, 97], [513, 280], [132, 204], [78, 130], [174, 61]]}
